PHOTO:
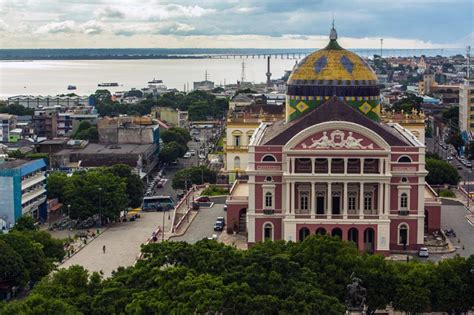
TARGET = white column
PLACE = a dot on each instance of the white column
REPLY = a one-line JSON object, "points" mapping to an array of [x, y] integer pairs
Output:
{"points": [[361, 199], [293, 167], [292, 198], [379, 198], [313, 200], [312, 165], [329, 165], [329, 203], [345, 200], [287, 197], [346, 160], [386, 210]]}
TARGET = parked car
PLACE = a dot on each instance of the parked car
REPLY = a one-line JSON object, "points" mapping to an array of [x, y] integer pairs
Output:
{"points": [[187, 155], [225, 207], [193, 152], [202, 199], [423, 252], [202, 156], [213, 237], [450, 158], [218, 226], [221, 219]]}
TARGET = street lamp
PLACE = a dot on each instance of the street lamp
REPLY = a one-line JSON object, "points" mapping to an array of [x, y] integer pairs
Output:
{"points": [[69, 211], [100, 206]]}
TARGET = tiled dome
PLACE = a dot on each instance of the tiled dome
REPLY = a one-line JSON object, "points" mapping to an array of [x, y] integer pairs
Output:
{"points": [[328, 72]]}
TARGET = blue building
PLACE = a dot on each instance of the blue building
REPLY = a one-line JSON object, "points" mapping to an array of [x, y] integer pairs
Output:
{"points": [[22, 191]]}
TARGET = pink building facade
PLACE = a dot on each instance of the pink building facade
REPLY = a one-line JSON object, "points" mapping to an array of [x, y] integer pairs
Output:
{"points": [[335, 171]]}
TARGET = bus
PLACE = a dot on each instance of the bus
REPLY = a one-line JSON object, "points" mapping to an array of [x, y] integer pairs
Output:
{"points": [[157, 203]]}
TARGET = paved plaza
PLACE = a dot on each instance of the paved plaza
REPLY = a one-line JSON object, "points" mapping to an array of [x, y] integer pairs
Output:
{"points": [[122, 242]]}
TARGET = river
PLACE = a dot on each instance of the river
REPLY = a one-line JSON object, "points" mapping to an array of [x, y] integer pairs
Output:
{"points": [[52, 77]]}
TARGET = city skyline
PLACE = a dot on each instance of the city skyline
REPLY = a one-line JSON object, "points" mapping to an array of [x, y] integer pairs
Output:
{"points": [[232, 24]]}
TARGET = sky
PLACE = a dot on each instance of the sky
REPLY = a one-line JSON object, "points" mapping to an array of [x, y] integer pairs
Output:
{"points": [[235, 23]]}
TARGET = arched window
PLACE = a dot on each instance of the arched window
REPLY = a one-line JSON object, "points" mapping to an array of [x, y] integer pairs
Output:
{"points": [[403, 234], [268, 158], [237, 162], [268, 200], [304, 232], [337, 232], [368, 201], [404, 180], [268, 232], [404, 159], [269, 179], [404, 201], [321, 231]]}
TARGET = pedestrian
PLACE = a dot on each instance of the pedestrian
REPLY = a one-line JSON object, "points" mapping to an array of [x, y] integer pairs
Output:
{"points": [[103, 249]]}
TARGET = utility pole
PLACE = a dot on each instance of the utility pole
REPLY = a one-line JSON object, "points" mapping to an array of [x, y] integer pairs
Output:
{"points": [[100, 206]]}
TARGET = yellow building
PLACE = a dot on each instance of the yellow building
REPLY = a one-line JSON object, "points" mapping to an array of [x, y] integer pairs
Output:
{"points": [[414, 122], [241, 124]]}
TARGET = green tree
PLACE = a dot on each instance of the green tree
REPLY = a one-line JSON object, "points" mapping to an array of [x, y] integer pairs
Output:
{"points": [[95, 192], [441, 172], [412, 294], [55, 185], [452, 273], [169, 152], [12, 267], [16, 109], [169, 136], [183, 132], [408, 103], [25, 223], [193, 175], [134, 187], [36, 263], [36, 304], [52, 248], [456, 141]]}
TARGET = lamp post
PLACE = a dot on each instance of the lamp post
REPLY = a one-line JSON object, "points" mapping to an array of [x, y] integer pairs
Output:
{"points": [[69, 216], [100, 206], [163, 225]]}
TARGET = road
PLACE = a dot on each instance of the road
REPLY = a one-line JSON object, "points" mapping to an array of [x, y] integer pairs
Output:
{"points": [[453, 216], [203, 225]]}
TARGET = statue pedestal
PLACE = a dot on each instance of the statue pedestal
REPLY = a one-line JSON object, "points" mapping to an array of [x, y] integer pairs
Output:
{"points": [[355, 312]]}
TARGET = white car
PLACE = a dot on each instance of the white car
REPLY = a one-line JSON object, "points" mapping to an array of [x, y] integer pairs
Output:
{"points": [[423, 252], [187, 155], [193, 152]]}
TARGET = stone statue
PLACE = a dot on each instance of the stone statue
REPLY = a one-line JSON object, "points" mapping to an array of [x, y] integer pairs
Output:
{"points": [[356, 294]]}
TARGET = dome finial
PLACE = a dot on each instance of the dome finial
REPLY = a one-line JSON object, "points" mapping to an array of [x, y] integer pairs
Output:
{"points": [[333, 33]]}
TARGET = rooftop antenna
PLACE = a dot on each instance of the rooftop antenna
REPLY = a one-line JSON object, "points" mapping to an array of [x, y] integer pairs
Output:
{"points": [[243, 72], [268, 74], [381, 47]]}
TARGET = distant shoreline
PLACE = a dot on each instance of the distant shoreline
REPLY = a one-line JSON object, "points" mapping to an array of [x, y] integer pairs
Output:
{"points": [[199, 53]]}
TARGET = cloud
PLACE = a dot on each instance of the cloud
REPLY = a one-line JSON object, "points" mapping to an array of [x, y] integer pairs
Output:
{"points": [[58, 27], [159, 28], [110, 13], [91, 27], [3, 26]]}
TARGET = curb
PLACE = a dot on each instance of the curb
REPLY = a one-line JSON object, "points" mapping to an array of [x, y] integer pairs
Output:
{"points": [[186, 229], [81, 248]]}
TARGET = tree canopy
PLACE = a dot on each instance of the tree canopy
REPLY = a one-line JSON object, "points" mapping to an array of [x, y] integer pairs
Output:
{"points": [[16, 109], [441, 172], [102, 190], [193, 175], [408, 103], [308, 277]]}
